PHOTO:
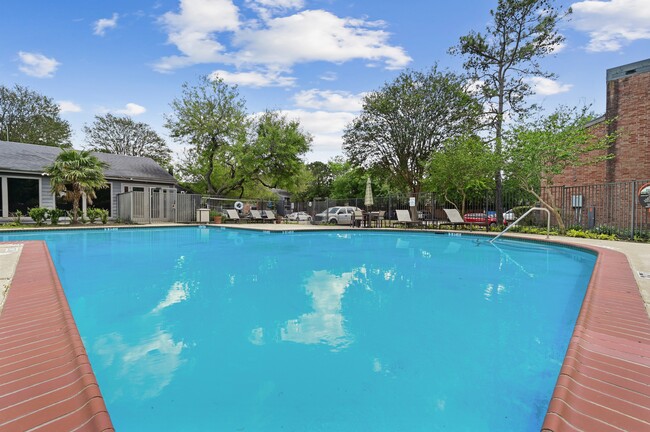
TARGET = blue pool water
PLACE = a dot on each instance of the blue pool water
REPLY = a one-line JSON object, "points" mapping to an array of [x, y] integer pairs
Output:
{"points": [[200, 329]]}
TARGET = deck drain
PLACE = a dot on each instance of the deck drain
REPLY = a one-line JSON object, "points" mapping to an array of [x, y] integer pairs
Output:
{"points": [[644, 275]]}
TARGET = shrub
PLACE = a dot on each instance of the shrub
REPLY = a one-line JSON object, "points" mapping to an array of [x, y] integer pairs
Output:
{"points": [[55, 215], [103, 215], [17, 215], [92, 214], [39, 215]]}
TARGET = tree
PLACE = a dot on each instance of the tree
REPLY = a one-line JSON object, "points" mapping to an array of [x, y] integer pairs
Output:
{"points": [[211, 119], [29, 117], [230, 152], [76, 173], [546, 147], [320, 181], [403, 123], [272, 154], [124, 136], [502, 59], [463, 167]]}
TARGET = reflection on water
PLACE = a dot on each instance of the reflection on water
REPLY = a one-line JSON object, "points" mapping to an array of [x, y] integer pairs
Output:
{"points": [[177, 293], [326, 323], [144, 369]]}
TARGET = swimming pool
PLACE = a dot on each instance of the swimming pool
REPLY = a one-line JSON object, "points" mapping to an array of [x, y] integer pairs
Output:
{"points": [[194, 329]]}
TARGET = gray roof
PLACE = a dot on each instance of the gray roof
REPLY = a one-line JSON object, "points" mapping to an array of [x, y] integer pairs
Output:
{"points": [[30, 158]]}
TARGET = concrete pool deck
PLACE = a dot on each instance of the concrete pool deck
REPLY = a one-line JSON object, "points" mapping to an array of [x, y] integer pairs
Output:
{"points": [[46, 382]]}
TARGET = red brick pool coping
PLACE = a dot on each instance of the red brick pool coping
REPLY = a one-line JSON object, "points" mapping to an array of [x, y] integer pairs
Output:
{"points": [[46, 382], [604, 383]]}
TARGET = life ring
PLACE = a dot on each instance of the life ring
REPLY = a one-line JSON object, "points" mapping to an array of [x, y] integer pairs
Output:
{"points": [[239, 205]]}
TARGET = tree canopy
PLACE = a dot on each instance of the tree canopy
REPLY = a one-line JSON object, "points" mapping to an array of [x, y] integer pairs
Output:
{"points": [[502, 60], [75, 173], [122, 135], [463, 168], [29, 117], [228, 151], [404, 122], [547, 146]]}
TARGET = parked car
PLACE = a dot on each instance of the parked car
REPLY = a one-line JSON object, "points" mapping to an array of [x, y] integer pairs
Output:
{"points": [[489, 219], [299, 216], [341, 215]]}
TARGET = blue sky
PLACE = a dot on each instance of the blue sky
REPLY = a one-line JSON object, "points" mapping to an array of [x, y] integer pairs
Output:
{"points": [[313, 59]]}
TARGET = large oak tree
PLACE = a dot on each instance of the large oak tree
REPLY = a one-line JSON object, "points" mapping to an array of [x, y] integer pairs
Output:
{"points": [[405, 121], [29, 117]]}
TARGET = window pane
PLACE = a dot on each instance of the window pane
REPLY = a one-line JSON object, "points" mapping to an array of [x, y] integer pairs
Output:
{"points": [[22, 194], [103, 199]]}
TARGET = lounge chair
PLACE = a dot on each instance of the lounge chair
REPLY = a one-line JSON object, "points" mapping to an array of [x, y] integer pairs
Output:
{"points": [[270, 216], [404, 218], [455, 219], [233, 215], [256, 216]]}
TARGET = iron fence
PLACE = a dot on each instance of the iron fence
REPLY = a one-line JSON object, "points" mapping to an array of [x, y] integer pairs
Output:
{"points": [[612, 208]]}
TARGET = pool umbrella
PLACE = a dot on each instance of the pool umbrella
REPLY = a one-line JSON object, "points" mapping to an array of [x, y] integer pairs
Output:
{"points": [[368, 201]]}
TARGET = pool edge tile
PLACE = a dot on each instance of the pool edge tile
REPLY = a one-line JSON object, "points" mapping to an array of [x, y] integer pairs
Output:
{"points": [[35, 276], [609, 290]]}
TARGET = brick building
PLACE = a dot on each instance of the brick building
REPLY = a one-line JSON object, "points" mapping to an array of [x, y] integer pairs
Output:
{"points": [[628, 108], [607, 193]]}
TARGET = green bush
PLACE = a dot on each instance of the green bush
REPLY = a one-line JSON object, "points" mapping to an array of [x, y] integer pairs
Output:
{"points": [[103, 215], [39, 215], [92, 214], [55, 215], [17, 215]]}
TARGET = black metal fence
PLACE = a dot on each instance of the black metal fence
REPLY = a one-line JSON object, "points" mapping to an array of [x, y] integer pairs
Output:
{"points": [[612, 208]]}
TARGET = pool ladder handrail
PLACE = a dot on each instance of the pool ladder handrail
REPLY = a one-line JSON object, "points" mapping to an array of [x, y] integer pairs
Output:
{"points": [[532, 209]]}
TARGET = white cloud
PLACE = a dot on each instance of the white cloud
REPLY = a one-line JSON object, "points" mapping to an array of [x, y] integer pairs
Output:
{"points": [[612, 24], [329, 100], [329, 76], [323, 37], [254, 79], [68, 106], [192, 32], [547, 87], [267, 8], [326, 128], [271, 43], [37, 65], [103, 24], [131, 109]]}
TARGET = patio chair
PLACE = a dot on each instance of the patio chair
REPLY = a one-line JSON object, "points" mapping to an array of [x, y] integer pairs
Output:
{"points": [[404, 218], [233, 215], [379, 218], [256, 216], [270, 216], [357, 218], [455, 219]]}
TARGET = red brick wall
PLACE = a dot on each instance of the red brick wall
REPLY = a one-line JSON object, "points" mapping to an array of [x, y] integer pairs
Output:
{"points": [[628, 108]]}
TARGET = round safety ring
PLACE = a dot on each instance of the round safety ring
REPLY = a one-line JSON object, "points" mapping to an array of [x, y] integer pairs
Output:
{"points": [[239, 205]]}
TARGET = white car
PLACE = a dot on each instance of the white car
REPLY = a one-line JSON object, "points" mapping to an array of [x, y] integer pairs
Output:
{"points": [[299, 216], [338, 215]]}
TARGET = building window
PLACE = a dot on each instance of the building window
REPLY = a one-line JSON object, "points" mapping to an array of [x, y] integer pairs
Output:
{"points": [[22, 194], [103, 199]]}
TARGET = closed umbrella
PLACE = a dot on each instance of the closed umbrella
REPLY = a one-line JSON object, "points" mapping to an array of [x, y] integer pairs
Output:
{"points": [[368, 201]]}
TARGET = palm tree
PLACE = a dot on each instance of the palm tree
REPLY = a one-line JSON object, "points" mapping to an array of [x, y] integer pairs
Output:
{"points": [[75, 173]]}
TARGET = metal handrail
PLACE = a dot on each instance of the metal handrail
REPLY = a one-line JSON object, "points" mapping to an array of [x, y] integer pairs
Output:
{"points": [[548, 222]]}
